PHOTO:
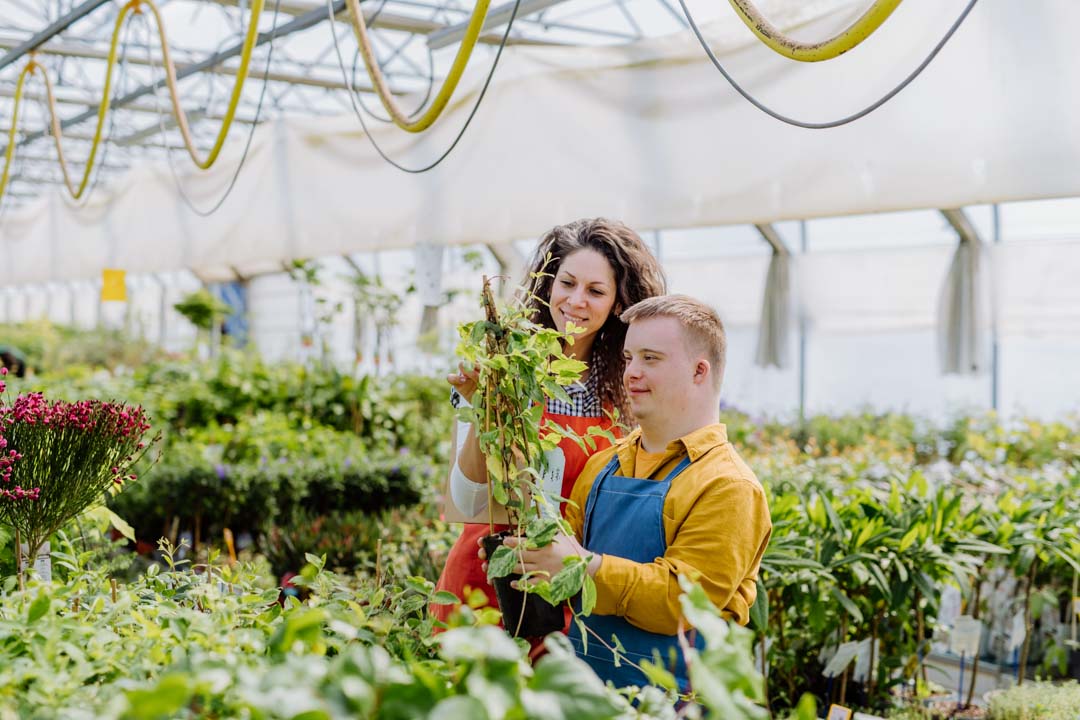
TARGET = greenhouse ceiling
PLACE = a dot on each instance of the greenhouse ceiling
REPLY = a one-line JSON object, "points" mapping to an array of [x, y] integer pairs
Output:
{"points": [[296, 55]]}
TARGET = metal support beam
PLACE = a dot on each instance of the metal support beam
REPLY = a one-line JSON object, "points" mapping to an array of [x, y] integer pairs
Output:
{"points": [[75, 50], [511, 265], [64, 97], [385, 20], [496, 17], [52, 30], [771, 236], [804, 246], [995, 341], [305, 21], [960, 222]]}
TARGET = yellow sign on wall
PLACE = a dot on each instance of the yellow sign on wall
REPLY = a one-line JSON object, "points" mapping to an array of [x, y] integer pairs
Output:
{"points": [[113, 287]]}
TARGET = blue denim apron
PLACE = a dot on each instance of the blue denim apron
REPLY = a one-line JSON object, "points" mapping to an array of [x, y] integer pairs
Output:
{"points": [[625, 517]]}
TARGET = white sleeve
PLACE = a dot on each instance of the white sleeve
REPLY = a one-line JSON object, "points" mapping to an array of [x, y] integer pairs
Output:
{"points": [[470, 497]]}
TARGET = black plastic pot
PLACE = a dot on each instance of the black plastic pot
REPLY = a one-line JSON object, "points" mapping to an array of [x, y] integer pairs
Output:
{"points": [[1074, 664], [539, 618]]}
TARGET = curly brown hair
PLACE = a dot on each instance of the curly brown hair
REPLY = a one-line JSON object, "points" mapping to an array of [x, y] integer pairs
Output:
{"points": [[638, 276]]}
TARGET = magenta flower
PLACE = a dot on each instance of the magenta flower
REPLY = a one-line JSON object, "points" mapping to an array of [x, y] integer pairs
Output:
{"points": [[61, 457]]}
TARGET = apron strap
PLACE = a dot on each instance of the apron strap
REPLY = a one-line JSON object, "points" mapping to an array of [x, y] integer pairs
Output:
{"points": [[683, 464], [590, 503]]}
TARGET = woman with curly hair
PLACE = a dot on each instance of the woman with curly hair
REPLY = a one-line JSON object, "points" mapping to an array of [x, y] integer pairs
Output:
{"points": [[586, 273]]}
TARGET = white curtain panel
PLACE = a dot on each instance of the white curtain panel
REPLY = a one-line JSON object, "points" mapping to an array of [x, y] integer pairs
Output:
{"points": [[962, 312], [774, 330]]}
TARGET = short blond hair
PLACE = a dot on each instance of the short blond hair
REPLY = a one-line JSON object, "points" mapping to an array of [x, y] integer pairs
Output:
{"points": [[701, 324]]}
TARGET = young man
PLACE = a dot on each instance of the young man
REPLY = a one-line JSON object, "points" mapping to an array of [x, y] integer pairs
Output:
{"points": [[673, 498]]}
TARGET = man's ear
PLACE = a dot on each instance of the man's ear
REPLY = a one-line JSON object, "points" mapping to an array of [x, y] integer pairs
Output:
{"points": [[701, 371]]}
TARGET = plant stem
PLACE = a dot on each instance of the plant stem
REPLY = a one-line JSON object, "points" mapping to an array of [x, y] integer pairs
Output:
{"points": [[870, 677], [920, 635], [18, 559], [975, 615], [764, 673], [843, 675], [1027, 621], [490, 494]]}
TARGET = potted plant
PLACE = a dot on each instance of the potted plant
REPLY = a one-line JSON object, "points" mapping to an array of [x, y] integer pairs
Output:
{"points": [[520, 364], [59, 458]]}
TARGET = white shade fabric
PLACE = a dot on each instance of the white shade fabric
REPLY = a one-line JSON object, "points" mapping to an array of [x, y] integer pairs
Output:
{"points": [[647, 133]]}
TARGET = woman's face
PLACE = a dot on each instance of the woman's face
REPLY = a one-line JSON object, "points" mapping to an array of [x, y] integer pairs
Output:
{"points": [[583, 292]]}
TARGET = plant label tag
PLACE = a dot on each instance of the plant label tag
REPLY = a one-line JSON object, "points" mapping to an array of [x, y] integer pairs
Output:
{"points": [[862, 660], [838, 712], [113, 287], [966, 636], [843, 657], [1017, 631], [42, 563], [552, 479]]}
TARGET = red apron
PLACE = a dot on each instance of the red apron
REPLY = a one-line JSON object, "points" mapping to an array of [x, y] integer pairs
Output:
{"points": [[463, 568]]}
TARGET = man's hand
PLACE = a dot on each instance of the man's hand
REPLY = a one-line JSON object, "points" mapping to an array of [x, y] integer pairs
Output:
{"points": [[548, 560]]}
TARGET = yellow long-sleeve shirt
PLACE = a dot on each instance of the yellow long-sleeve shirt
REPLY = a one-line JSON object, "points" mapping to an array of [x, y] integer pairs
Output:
{"points": [[716, 522]]}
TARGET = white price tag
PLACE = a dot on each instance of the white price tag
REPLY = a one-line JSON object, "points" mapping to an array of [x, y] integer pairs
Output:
{"points": [[966, 636], [862, 660], [838, 712], [552, 479], [1017, 632], [42, 564], [843, 657]]}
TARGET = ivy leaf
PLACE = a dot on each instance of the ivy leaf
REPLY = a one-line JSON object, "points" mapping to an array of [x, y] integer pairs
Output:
{"points": [[502, 562], [563, 687], [588, 596], [568, 581], [444, 597], [459, 707], [541, 532]]}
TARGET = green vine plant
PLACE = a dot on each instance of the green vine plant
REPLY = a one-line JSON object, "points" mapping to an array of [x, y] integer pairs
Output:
{"points": [[520, 365]]}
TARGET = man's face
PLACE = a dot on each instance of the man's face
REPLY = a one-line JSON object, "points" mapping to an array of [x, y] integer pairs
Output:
{"points": [[659, 375]]}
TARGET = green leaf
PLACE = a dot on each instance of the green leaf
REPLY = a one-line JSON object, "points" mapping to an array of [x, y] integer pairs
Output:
{"points": [[759, 611], [541, 532], [807, 708], [444, 597], [502, 562], [563, 687], [567, 582], [849, 606], [38, 608], [166, 699], [103, 513], [300, 626], [909, 538], [588, 596], [459, 707]]}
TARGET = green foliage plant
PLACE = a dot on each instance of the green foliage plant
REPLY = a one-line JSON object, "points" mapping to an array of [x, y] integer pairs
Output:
{"points": [[202, 309], [1037, 701], [520, 364]]}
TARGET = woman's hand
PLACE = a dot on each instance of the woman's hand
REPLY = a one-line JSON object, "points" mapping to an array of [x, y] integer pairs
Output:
{"points": [[464, 381]]}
